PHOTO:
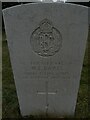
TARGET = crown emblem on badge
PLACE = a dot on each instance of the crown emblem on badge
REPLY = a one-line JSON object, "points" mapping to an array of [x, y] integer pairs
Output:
{"points": [[46, 40], [46, 26]]}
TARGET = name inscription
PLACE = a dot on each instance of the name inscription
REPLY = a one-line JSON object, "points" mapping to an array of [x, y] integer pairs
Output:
{"points": [[49, 70]]}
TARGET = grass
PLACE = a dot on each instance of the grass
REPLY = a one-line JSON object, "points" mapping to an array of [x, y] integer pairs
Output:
{"points": [[0, 75], [10, 101]]}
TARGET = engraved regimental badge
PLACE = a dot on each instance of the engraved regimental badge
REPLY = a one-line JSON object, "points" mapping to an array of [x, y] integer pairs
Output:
{"points": [[46, 40]]}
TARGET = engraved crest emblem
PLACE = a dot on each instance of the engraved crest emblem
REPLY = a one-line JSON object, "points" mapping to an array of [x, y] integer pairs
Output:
{"points": [[46, 40]]}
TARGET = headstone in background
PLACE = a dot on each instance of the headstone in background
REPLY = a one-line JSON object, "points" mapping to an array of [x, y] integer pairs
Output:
{"points": [[33, 0], [44, 0], [21, 0], [77, 0], [47, 44]]}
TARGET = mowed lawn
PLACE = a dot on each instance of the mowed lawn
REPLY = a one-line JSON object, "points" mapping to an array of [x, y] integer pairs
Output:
{"points": [[10, 101]]}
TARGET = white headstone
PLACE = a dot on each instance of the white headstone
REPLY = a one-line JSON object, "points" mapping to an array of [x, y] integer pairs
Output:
{"points": [[44, 0], [47, 44]]}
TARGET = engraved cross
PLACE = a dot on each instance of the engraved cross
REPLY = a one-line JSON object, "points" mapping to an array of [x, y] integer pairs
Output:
{"points": [[46, 93]]}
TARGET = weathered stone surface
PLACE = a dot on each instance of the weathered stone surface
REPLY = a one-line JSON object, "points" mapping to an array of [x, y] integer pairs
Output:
{"points": [[47, 45]]}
